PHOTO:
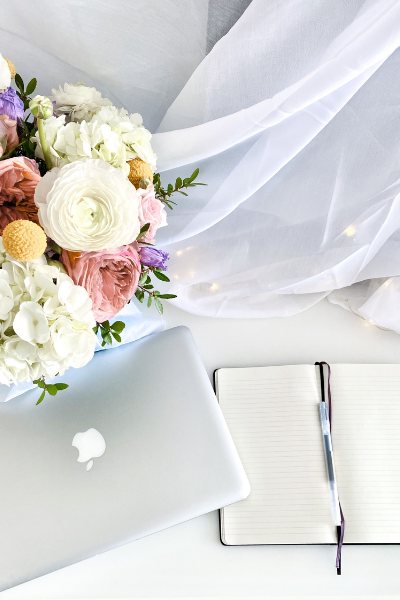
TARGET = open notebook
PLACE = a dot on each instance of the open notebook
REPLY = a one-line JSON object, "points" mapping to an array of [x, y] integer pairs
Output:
{"points": [[272, 414]]}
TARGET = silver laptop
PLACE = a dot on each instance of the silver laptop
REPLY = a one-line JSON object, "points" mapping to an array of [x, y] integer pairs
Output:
{"points": [[136, 444]]}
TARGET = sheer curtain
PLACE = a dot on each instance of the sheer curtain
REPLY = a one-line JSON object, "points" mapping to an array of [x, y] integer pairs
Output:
{"points": [[291, 110]]}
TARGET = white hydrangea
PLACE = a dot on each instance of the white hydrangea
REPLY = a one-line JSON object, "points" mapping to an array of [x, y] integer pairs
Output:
{"points": [[130, 127], [78, 102], [112, 135], [69, 142], [46, 321]]}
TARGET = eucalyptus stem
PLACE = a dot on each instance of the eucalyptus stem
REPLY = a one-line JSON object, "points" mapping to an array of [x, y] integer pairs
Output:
{"points": [[43, 143]]}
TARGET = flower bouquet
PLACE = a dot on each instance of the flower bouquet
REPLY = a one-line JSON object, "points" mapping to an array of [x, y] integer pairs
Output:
{"points": [[80, 205]]}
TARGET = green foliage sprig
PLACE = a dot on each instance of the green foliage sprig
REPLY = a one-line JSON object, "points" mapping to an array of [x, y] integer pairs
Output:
{"points": [[50, 388], [108, 332], [164, 194], [146, 287]]}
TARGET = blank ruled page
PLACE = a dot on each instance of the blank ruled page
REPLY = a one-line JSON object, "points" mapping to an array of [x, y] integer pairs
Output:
{"points": [[272, 414], [366, 446]]}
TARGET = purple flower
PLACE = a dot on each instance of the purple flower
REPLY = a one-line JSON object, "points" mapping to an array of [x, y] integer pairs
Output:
{"points": [[151, 257], [11, 104]]}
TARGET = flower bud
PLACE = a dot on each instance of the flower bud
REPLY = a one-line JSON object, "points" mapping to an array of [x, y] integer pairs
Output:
{"points": [[144, 182], [41, 107]]}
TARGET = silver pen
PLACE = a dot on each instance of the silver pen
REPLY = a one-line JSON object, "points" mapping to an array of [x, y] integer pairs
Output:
{"points": [[333, 490]]}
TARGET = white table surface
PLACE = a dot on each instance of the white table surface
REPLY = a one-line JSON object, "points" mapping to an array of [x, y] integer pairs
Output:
{"points": [[188, 561]]}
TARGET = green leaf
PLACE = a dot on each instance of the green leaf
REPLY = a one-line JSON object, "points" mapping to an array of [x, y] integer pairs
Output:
{"points": [[159, 306], [149, 302], [178, 183], [139, 295], [41, 383], [143, 278], [108, 339], [183, 193], [31, 87], [143, 230], [106, 324], [3, 143], [42, 395], [170, 188], [116, 336], [118, 326], [167, 296], [61, 386], [52, 389], [194, 175], [160, 275], [95, 329], [26, 104], [156, 293], [148, 287], [19, 83], [35, 381]]}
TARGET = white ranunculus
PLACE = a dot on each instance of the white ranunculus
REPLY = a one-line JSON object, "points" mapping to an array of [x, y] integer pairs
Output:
{"points": [[5, 74], [79, 102], [88, 205], [30, 323]]}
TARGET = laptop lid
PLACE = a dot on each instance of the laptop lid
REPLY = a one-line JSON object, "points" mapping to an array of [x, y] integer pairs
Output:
{"points": [[151, 449]]}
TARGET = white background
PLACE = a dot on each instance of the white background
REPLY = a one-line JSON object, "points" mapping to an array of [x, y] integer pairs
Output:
{"points": [[188, 560]]}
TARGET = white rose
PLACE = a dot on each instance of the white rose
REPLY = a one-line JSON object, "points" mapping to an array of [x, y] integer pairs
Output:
{"points": [[79, 102], [5, 74], [88, 205], [30, 323]]}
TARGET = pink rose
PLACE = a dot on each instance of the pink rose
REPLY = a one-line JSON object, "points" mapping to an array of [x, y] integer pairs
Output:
{"points": [[151, 210], [110, 277], [18, 180], [8, 127]]}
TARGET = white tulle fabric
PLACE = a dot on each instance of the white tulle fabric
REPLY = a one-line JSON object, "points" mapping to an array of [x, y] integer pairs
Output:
{"points": [[292, 116]]}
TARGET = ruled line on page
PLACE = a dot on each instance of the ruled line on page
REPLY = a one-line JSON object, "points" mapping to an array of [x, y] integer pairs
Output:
{"points": [[273, 417]]}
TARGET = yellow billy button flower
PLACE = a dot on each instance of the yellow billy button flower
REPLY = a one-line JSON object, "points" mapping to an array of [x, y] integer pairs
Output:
{"points": [[139, 170], [24, 240]]}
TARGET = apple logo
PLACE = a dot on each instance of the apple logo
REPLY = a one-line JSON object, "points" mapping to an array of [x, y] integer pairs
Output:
{"points": [[90, 445]]}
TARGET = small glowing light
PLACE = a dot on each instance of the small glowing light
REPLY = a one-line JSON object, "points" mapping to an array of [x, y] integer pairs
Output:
{"points": [[371, 322], [214, 287], [179, 252], [189, 247], [176, 276], [350, 231]]}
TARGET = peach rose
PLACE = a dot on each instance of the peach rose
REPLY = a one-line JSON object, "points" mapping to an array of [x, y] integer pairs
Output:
{"points": [[110, 277], [151, 210], [8, 127], [18, 180]]}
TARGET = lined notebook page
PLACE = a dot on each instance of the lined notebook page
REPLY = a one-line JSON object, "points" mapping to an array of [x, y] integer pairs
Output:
{"points": [[272, 414], [366, 443]]}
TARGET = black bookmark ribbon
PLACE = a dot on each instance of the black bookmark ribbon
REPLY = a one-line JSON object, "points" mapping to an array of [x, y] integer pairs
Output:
{"points": [[342, 521]]}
